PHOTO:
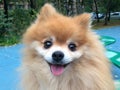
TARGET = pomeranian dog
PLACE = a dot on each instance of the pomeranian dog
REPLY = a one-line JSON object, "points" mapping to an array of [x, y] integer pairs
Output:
{"points": [[62, 53]]}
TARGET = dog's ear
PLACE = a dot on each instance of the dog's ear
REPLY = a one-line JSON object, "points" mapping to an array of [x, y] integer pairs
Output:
{"points": [[84, 20], [46, 12]]}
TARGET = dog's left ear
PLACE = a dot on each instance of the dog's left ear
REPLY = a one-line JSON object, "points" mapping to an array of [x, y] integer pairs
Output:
{"points": [[84, 20], [46, 12]]}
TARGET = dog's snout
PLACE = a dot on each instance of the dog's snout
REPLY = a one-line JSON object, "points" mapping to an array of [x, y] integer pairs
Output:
{"points": [[57, 56]]}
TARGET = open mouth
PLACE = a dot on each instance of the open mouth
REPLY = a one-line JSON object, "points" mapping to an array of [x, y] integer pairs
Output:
{"points": [[57, 69]]}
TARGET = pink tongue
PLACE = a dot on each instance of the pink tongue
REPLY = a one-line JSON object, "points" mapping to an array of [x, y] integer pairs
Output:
{"points": [[57, 69]]}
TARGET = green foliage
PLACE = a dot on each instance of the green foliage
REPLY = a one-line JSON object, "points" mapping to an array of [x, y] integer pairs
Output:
{"points": [[112, 5], [21, 19], [2, 21], [5, 28], [88, 5], [11, 29]]}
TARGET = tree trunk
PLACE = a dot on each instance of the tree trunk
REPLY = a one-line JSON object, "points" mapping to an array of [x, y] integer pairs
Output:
{"points": [[80, 6], [108, 9], [74, 7], [66, 3], [109, 16], [69, 7], [106, 19], [59, 5], [96, 9], [6, 9], [83, 4], [32, 2]]}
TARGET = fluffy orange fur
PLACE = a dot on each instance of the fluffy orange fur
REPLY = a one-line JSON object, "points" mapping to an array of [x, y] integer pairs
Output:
{"points": [[90, 72]]}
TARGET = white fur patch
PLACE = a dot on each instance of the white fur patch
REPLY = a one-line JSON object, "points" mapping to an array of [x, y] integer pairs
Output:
{"points": [[69, 56]]}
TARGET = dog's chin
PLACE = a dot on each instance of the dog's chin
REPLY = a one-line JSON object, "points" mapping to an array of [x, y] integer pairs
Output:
{"points": [[57, 69]]}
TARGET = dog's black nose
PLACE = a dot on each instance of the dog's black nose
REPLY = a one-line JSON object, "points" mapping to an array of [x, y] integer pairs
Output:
{"points": [[57, 56]]}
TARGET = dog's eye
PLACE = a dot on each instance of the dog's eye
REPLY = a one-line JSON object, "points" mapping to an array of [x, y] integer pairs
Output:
{"points": [[72, 46], [47, 44]]}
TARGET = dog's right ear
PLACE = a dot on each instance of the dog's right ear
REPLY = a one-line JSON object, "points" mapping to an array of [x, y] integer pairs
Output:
{"points": [[46, 12], [84, 20]]}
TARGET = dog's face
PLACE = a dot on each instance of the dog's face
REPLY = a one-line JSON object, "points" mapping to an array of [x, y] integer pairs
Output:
{"points": [[58, 39]]}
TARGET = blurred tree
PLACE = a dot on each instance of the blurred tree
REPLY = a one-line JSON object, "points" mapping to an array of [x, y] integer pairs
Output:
{"points": [[96, 10], [113, 6], [109, 6], [5, 8], [32, 4], [74, 6], [68, 7], [88, 5]]}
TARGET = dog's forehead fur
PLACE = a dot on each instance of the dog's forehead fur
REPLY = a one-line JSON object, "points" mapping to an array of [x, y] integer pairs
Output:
{"points": [[51, 23], [63, 30]]}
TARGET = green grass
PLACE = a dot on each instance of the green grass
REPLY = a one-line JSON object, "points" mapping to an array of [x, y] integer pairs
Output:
{"points": [[9, 41], [101, 24]]}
